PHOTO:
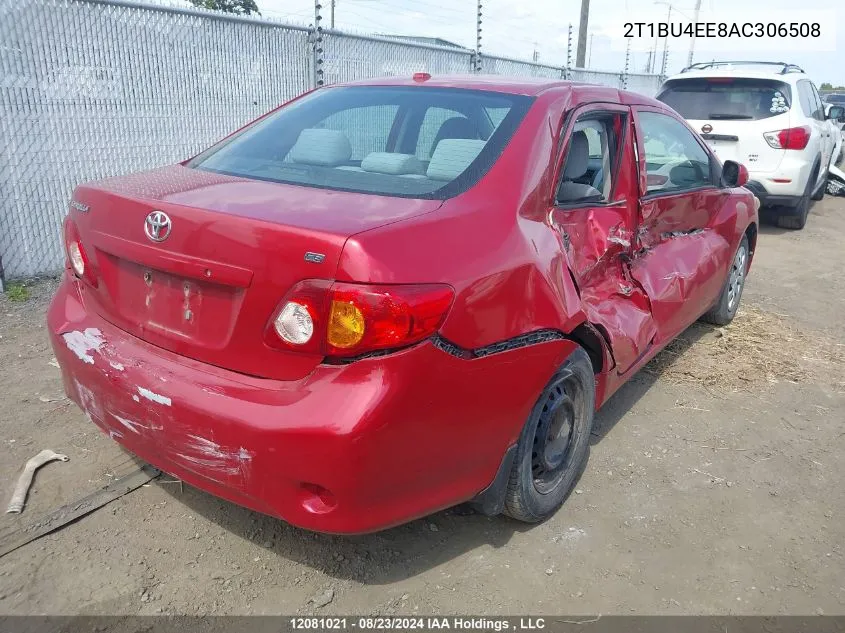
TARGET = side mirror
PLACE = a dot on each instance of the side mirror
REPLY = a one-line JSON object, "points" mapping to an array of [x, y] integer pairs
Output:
{"points": [[836, 113], [734, 174]]}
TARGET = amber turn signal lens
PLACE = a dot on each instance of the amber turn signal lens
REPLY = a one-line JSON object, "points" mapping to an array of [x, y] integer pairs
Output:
{"points": [[346, 325]]}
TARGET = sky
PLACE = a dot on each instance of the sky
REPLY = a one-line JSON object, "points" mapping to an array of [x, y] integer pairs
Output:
{"points": [[518, 28]]}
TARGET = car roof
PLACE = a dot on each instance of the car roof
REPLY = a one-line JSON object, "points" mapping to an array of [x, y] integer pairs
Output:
{"points": [[531, 86]]}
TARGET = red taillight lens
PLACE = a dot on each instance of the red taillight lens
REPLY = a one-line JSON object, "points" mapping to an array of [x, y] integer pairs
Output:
{"points": [[366, 318], [77, 258], [791, 138], [345, 319]]}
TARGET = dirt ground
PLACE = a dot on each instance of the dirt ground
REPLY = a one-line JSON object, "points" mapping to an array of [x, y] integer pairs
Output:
{"points": [[715, 485]]}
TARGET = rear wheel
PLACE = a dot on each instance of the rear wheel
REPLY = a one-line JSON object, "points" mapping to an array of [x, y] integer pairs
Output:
{"points": [[798, 218], [554, 444], [819, 194], [726, 307]]}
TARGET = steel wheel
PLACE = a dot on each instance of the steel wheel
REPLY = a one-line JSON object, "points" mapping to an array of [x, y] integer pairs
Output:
{"points": [[736, 280], [552, 446], [554, 443], [724, 310]]}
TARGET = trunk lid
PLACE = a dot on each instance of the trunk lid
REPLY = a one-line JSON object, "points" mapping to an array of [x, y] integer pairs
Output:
{"points": [[235, 246]]}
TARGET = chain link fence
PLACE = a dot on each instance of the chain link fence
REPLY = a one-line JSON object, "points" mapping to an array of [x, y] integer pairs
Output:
{"points": [[94, 88]]}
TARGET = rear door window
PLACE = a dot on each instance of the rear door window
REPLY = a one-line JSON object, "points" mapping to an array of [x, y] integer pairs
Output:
{"points": [[805, 98], [818, 113], [592, 158], [717, 98]]}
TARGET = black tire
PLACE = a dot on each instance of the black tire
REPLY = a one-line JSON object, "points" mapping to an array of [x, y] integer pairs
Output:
{"points": [[555, 442], [724, 311], [796, 221], [819, 194]]}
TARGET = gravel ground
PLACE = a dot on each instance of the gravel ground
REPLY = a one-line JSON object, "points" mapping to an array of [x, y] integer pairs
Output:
{"points": [[714, 486]]}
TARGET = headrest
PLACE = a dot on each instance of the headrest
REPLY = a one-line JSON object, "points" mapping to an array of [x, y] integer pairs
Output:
{"points": [[393, 164], [317, 146], [578, 157], [452, 156], [456, 127]]}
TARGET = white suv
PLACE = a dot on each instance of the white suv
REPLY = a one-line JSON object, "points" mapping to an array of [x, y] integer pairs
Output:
{"points": [[767, 116]]}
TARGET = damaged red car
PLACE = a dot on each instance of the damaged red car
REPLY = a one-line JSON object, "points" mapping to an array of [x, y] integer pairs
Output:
{"points": [[387, 298]]}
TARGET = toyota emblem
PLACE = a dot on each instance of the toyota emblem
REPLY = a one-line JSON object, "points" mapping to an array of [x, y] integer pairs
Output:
{"points": [[706, 128], [157, 226]]}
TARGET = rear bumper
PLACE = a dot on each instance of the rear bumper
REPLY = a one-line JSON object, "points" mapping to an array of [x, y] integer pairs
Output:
{"points": [[771, 200], [770, 187], [348, 449]]}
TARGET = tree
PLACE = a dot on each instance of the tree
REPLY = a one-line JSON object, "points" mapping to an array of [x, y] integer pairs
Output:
{"points": [[826, 86], [238, 7]]}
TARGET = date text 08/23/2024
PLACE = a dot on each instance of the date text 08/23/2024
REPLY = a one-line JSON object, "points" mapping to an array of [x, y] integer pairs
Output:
{"points": [[413, 623]]}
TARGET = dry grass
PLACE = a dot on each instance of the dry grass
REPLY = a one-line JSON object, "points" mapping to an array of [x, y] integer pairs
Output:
{"points": [[756, 348]]}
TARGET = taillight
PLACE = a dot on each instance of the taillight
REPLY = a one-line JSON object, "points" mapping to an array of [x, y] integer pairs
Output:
{"points": [[791, 138], [367, 318], [76, 255], [344, 319]]}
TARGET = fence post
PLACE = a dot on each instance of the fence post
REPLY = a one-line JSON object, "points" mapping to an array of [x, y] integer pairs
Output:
{"points": [[624, 78], [477, 60], [316, 40]]}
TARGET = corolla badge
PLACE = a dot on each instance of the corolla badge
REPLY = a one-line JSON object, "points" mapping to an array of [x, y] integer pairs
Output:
{"points": [[157, 226]]}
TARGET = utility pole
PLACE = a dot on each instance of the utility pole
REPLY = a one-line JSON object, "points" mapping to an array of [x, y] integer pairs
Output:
{"points": [[692, 40], [582, 34], [666, 44], [332, 18], [653, 54], [478, 39]]}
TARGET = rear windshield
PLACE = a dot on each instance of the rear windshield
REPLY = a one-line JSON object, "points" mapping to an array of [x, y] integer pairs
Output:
{"points": [[727, 98], [838, 99], [400, 141]]}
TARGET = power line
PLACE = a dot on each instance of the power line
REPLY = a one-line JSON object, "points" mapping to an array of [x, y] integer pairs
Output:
{"points": [[442, 7], [341, 14]]}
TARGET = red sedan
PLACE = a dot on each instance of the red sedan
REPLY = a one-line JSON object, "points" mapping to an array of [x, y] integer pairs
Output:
{"points": [[387, 298]]}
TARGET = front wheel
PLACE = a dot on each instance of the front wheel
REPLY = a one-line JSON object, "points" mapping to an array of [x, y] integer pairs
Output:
{"points": [[555, 442], [726, 307]]}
